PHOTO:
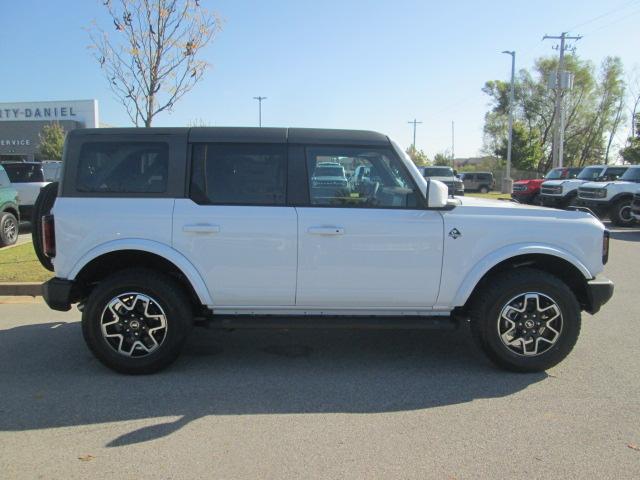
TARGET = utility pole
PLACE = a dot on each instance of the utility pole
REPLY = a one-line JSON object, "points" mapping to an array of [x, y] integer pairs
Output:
{"points": [[414, 122], [558, 133], [507, 183], [453, 144], [259, 99]]}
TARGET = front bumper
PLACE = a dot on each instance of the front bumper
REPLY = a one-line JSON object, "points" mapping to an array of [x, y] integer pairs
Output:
{"points": [[59, 294], [599, 292], [522, 196]]}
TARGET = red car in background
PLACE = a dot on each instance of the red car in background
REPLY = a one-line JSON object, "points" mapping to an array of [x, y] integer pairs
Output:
{"points": [[528, 191]]}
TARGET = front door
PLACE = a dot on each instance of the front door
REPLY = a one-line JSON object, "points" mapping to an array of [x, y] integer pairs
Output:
{"points": [[365, 240], [236, 229]]}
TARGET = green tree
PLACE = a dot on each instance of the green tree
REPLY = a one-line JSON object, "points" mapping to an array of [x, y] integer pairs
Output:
{"points": [[440, 159], [417, 156], [525, 149], [631, 153], [593, 112], [51, 142]]}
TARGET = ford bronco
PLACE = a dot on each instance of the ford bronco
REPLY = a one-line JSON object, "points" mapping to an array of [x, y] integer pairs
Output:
{"points": [[153, 230]]}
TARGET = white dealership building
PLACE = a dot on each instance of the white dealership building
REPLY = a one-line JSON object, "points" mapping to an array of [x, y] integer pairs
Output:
{"points": [[21, 124]]}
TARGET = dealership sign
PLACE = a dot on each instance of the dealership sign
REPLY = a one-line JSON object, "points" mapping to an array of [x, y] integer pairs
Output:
{"points": [[19, 142], [42, 113], [84, 112]]}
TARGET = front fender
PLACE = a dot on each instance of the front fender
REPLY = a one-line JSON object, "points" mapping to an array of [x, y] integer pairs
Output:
{"points": [[488, 262], [157, 248]]}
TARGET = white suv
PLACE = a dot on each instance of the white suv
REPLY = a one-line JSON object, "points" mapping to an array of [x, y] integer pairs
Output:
{"points": [[613, 198], [155, 228], [564, 193]]}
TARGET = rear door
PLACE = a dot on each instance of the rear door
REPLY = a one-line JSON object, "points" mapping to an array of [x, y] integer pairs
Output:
{"points": [[236, 228], [368, 245]]}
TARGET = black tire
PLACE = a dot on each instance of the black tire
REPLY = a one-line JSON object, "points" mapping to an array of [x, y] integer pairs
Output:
{"points": [[166, 293], [44, 204], [620, 213], [536, 200], [484, 189], [487, 306], [9, 228]]}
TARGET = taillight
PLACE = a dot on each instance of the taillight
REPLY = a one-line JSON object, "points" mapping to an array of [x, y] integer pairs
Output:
{"points": [[605, 247], [48, 236]]}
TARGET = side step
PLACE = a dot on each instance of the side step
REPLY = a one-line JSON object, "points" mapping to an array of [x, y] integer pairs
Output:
{"points": [[325, 321]]}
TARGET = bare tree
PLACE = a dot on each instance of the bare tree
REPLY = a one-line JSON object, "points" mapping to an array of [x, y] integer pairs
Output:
{"points": [[153, 57]]}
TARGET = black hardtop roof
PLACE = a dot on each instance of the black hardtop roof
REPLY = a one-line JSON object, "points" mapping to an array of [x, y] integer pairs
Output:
{"points": [[251, 134]]}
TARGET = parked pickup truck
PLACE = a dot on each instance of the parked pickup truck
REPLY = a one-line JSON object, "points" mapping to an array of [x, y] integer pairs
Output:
{"points": [[446, 175], [153, 230], [563, 193], [9, 213], [27, 178], [613, 199], [528, 191]]}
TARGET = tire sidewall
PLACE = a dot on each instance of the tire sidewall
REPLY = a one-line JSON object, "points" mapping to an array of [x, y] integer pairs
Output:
{"points": [[616, 218], [177, 326], [569, 309], [4, 218]]}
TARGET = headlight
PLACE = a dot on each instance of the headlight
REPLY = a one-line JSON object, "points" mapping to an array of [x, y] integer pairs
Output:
{"points": [[602, 193]]}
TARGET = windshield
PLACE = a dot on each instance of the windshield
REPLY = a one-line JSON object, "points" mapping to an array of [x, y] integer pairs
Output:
{"points": [[554, 174], [438, 172], [24, 173], [631, 175], [325, 171], [590, 173]]}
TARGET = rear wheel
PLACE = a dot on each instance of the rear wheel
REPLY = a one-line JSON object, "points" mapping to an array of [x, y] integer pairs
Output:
{"points": [[8, 229], [525, 320], [484, 189], [620, 213], [137, 321]]}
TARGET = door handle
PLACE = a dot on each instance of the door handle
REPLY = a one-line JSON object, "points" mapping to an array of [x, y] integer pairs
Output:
{"points": [[326, 231], [201, 228]]}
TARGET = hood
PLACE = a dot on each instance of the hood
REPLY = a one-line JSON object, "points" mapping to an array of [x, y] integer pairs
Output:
{"points": [[574, 181], [620, 183], [526, 182], [506, 207]]}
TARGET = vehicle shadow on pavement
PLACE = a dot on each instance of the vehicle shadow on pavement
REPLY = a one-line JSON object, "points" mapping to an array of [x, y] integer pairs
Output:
{"points": [[49, 379], [628, 235]]}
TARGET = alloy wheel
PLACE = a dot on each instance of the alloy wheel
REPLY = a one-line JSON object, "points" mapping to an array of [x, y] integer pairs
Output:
{"points": [[530, 324], [133, 324], [10, 228]]}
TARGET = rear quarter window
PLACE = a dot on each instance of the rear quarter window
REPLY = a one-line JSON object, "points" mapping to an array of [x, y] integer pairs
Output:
{"points": [[24, 173], [123, 167]]}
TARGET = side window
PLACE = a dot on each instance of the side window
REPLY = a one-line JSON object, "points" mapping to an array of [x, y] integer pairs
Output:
{"points": [[358, 177], [615, 173], [4, 179], [123, 167], [250, 174]]}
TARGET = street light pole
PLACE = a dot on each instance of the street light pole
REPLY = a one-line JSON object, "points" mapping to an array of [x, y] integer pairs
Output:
{"points": [[259, 99], [507, 183]]}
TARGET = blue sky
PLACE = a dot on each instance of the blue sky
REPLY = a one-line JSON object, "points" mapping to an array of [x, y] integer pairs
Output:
{"points": [[336, 64]]}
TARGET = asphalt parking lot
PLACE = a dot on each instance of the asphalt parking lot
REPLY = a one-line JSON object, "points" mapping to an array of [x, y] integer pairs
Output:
{"points": [[324, 404]]}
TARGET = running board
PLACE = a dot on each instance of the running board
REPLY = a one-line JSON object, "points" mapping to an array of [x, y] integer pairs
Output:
{"points": [[324, 321]]}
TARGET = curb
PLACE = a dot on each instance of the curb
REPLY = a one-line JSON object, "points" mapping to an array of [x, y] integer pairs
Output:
{"points": [[30, 289]]}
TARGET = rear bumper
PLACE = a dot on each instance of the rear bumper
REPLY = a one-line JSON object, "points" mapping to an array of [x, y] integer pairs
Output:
{"points": [[599, 292], [58, 293]]}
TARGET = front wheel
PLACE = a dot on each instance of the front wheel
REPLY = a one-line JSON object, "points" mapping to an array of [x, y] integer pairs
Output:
{"points": [[136, 321], [525, 320], [620, 213]]}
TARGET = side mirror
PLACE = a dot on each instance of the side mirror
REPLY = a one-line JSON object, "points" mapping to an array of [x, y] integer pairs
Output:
{"points": [[437, 194]]}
